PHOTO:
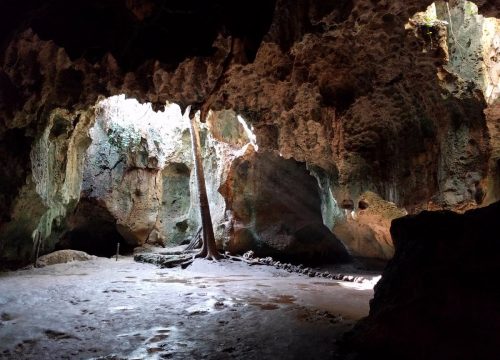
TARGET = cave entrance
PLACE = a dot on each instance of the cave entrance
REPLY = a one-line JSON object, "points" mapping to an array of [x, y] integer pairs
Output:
{"points": [[93, 230], [471, 42], [136, 180]]}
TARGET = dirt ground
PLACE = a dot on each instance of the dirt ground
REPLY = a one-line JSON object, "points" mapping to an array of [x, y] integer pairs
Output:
{"points": [[107, 309]]}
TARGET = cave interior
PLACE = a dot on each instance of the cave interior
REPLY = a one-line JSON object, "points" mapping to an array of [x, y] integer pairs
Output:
{"points": [[337, 162]]}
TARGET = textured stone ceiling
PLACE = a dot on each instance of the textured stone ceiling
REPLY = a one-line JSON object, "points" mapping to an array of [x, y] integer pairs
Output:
{"points": [[138, 30], [368, 102]]}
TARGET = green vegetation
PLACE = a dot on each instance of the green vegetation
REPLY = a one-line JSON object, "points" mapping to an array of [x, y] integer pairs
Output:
{"points": [[470, 8]]}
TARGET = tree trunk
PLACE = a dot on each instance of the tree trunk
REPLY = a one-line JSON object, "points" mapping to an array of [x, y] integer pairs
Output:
{"points": [[208, 249]]}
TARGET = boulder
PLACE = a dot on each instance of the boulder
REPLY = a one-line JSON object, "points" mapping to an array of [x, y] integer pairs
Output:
{"points": [[438, 297], [63, 256]]}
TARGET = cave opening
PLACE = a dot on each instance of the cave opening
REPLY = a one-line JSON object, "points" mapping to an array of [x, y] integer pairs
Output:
{"points": [[338, 139], [92, 229], [135, 180], [137, 187]]}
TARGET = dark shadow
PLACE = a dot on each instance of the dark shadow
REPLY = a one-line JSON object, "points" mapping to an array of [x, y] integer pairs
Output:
{"points": [[93, 230]]}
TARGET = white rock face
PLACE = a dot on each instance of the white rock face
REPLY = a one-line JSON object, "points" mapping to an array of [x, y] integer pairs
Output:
{"points": [[139, 167]]}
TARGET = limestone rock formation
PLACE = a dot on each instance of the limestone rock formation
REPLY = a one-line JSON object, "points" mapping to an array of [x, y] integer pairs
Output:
{"points": [[138, 177], [438, 297], [370, 96], [137, 169], [365, 228], [63, 256], [276, 210]]}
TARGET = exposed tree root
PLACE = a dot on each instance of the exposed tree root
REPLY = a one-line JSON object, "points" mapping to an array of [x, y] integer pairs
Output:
{"points": [[186, 263], [182, 252], [208, 255], [196, 241], [245, 260], [185, 259], [164, 261], [213, 257], [201, 255]]}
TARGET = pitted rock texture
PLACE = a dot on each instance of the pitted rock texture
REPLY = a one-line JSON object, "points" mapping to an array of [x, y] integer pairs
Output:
{"points": [[138, 169], [63, 256], [365, 227], [351, 88], [493, 115], [438, 296], [51, 189], [138, 184]]}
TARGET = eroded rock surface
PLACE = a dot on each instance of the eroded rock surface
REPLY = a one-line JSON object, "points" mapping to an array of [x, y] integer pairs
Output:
{"points": [[438, 296], [138, 176], [276, 210], [62, 257], [364, 229], [366, 97], [138, 169]]}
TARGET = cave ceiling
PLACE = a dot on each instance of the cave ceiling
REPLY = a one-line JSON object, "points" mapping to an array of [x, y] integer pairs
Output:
{"points": [[135, 31]]}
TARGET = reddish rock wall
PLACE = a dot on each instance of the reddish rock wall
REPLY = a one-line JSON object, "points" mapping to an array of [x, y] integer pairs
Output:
{"points": [[345, 87]]}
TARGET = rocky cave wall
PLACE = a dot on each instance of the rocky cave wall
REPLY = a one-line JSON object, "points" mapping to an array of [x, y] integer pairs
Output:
{"points": [[437, 298], [139, 168], [139, 187], [371, 102]]}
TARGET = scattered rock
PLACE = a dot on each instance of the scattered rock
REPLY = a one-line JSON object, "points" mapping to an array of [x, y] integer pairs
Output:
{"points": [[58, 335], [164, 261], [63, 256]]}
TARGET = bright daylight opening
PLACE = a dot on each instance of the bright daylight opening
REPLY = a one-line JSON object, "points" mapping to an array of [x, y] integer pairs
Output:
{"points": [[249, 179], [472, 42], [140, 194], [138, 179]]}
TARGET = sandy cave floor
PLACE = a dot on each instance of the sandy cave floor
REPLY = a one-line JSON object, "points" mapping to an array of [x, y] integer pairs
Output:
{"points": [[126, 310]]}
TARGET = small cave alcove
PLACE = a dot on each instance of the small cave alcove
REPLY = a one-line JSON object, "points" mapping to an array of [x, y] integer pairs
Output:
{"points": [[92, 229]]}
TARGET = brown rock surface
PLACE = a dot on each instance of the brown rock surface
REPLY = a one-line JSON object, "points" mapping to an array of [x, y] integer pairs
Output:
{"points": [[438, 297], [276, 210], [351, 88], [365, 228]]}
